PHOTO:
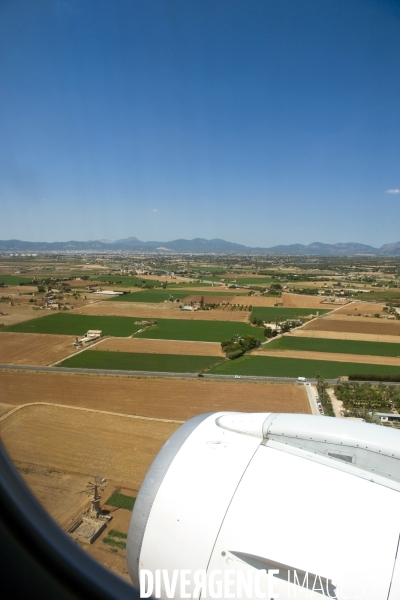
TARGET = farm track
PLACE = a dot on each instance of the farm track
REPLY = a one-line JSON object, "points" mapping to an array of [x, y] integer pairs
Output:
{"points": [[332, 356], [34, 348], [162, 397], [143, 345]]}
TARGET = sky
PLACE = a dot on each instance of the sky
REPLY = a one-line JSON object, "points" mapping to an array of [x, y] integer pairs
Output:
{"points": [[261, 122]]}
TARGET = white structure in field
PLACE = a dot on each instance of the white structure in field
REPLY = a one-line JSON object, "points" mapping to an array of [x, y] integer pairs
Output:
{"points": [[244, 493]]}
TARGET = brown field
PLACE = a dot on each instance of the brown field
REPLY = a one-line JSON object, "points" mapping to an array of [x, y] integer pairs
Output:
{"points": [[339, 335], [209, 299], [19, 313], [161, 310], [302, 301], [362, 308], [359, 325], [343, 317], [16, 290], [160, 346], [157, 398], [332, 356], [72, 445], [34, 348]]}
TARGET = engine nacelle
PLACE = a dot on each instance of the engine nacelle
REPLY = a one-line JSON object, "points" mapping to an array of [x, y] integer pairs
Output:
{"points": [[306, 505]]}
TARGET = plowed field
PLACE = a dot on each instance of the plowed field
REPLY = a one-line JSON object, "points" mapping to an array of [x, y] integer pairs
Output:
{"points": [[335, 356], [360, 308], [339, 335], [357, 326], [58, 449], [143, 345], [167, 310], [34, 348], [160, 398]]}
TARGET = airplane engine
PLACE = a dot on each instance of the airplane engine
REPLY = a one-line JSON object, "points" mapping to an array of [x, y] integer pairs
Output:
{"points": [[248, 505]]}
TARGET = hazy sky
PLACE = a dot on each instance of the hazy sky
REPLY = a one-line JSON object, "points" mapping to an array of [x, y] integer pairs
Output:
{"points": [[257, 121]]}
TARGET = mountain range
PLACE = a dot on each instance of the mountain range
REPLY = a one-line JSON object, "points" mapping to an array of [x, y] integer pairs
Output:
{"points": [[201, 245]]}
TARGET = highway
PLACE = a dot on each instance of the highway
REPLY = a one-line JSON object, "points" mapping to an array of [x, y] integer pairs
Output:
{"points": [[168, 375]]}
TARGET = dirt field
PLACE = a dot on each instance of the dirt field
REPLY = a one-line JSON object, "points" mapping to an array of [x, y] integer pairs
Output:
{"points": [[161, 310], [34, 348], [338, 335], [19, 313], [287, 300], [160, 346], [359, 325], [160, 398], [302, 301], [58, 449], [361, 308], [332, 356]]}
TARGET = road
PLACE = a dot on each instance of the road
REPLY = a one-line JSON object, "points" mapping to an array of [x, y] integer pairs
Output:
{"points": [[330, 382]]}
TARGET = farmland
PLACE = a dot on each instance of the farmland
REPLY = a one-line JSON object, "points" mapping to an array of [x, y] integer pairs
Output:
{"points": [[357, 326], [326, 345], [162, 310], [151, 296], [161, 398], [134, 361], [131, 444], [74, 324], [143, 345], [199, 331], [270, 366], [281, 314], [34, 349]]}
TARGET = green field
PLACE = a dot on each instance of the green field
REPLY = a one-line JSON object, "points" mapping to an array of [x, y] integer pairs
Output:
{"points": [[384, 296], [199, 331], [14, 279], [267, 313], [67, 324], [132, 361], [341, 346], [120, 501], [296, 367]]}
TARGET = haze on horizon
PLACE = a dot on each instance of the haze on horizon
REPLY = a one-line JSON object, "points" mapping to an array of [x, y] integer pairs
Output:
{"points": [[262, 123]]}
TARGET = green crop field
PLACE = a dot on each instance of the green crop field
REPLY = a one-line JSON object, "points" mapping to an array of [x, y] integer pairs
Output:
{"points": [[199, 331], [67, 324], [14, 279], [267, 313], [132, 361], [384, 295], [296, 367], [157, 295], [326, 345]]}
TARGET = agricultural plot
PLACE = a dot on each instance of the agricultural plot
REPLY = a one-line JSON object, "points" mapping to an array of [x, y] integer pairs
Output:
{"points": [[199, 331], [14, 279], [143, 345], [326, 345], [74, 324], [355, 308], [282, 314], [357, 326], [34, 349], [303, 301], [161, 310], [213, 298], [270, 366], [120, 447], [157, 295], [159, 398], [339, 335], [134, 361]]}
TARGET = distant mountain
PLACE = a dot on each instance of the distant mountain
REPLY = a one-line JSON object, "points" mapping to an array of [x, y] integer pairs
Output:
{"points": [[201, 245]]}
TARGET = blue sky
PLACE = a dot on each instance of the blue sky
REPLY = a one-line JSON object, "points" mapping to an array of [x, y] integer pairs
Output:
{"points": [[262, 122]]}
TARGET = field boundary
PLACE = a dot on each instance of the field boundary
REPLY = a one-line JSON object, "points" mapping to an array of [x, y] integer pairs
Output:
{"points": [[93, 410]]}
